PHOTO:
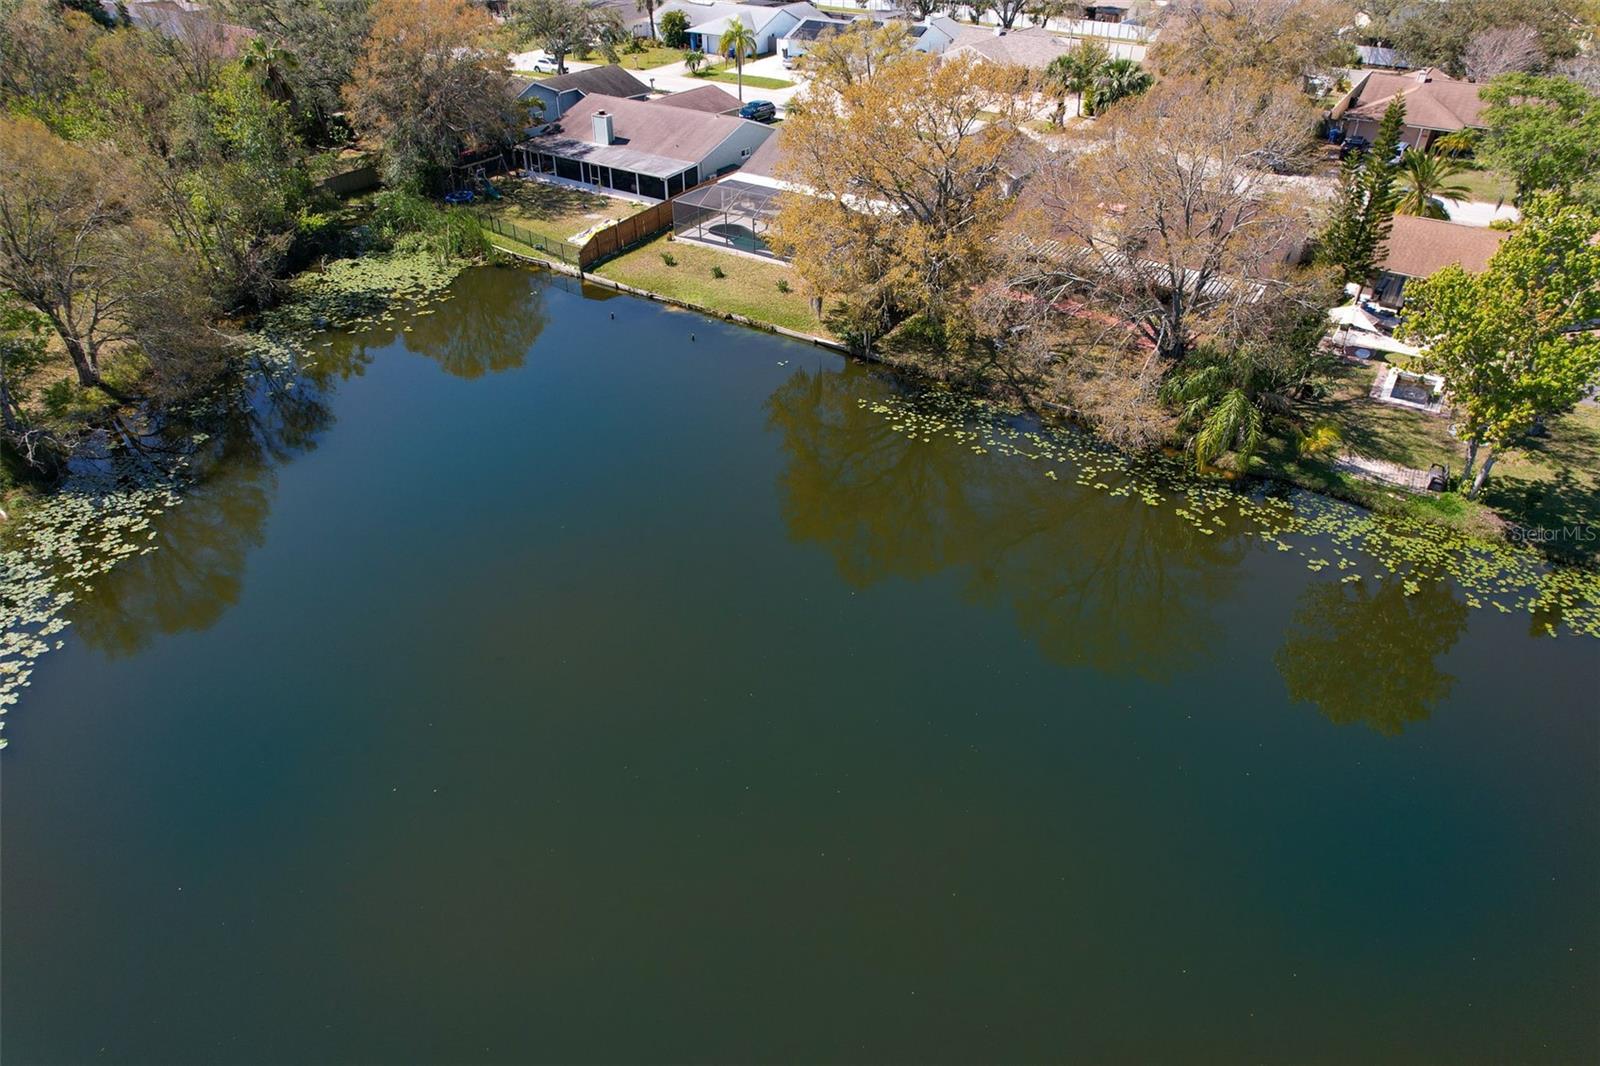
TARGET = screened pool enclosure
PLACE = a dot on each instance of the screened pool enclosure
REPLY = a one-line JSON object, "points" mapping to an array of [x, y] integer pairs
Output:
{"points": [[730, 213]]}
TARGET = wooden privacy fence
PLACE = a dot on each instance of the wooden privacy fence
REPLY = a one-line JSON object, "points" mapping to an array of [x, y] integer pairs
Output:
{"points": [[625, 233], [603, 243], [635, 229]]}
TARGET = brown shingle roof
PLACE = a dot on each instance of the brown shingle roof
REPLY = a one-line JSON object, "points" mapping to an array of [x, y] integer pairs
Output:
{"points": [[764, 159], [643, 126], [608, 81], [1419, 246], [1033, 47], [710, 98], [1434, 101]]}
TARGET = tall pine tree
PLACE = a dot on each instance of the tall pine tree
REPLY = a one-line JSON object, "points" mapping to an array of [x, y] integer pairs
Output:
{"points": [[1367, 198]]}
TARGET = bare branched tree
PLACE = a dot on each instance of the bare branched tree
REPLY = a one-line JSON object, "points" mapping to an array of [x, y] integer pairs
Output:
{"points": [[1169, 230], [1502, 50], [1285, 39]]}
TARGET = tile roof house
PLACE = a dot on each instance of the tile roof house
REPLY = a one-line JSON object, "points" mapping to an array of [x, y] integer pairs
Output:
{"points": [[641, 147], [1436, 104], [556, 95], [709, 98], [1419, 246]]}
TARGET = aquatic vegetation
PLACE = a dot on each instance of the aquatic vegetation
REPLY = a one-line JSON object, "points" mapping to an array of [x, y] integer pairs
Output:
{"points": [[103, 513], [100, 516], [1328, 534]]}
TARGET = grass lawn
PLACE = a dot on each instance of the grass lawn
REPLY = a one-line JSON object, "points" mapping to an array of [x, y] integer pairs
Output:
{"points": [[554, 211], [1487, 186], [655, 56], [1553, 481], [750, 287], [1549, 482], [751, 81]]}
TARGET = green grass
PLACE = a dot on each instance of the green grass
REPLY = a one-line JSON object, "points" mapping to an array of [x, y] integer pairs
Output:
{"points": [[554, 211], [751, 81], [1487, 186], [655, 56], [1550, 482], [750, 287]]}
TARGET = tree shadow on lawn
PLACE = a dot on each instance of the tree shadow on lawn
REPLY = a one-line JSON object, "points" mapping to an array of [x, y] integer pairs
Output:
{"points": [[546, 203], [1539, 487]]}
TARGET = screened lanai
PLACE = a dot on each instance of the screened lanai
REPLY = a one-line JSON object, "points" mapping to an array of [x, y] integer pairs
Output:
{"points": [[607, 167], [729, 213]]}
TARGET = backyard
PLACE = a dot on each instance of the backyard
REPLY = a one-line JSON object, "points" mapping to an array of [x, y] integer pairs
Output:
{"points": [[1550, 482], [749, 287], [1486, 186], [557, 212]]}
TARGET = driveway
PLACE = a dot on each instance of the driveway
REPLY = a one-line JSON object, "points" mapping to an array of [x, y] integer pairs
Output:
{"points": [[674, 78], [1477, 213]]}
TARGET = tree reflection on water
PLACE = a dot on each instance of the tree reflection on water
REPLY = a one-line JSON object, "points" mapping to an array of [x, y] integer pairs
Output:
{"points": [[485, 330], [1367, 652], [1093, 580]]}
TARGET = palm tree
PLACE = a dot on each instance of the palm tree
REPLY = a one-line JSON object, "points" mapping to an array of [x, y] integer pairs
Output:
{"points": [[694, 60], [1082, 66], [649, 8], [1425, 180], [269, 62], [1055, 84], [739, 41], [1229, 399], [1118, 79], [1462, 142]]}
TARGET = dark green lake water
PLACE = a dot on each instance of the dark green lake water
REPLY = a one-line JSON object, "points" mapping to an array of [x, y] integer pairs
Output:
{"points": [[558, 688]]}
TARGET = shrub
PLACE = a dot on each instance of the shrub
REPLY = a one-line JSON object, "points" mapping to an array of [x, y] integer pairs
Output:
{"points": [[409, 222], [673, 28], [1321, 440], [718, 272], [783, 285], [667, 258]]}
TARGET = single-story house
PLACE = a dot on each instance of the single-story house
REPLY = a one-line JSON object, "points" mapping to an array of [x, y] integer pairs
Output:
{"points": [[556, 95], [1419, 246], [709, 21], [641, 147], [803, 35], [712, 99], [1032, 48], [1436, 104]]}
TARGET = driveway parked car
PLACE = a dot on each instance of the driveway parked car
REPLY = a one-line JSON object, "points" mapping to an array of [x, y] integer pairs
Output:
{"points": [[1353, 146], [759, 111]]}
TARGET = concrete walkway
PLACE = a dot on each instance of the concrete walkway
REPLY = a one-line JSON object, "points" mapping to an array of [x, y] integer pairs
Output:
{"points": [[1382, 471]]}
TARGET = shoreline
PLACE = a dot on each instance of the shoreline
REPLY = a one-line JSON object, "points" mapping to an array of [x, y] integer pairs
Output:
{"points": [[1489, 527]]}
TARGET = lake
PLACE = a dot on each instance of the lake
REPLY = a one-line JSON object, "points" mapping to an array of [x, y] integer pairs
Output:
{"points": [[568, 678]]}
